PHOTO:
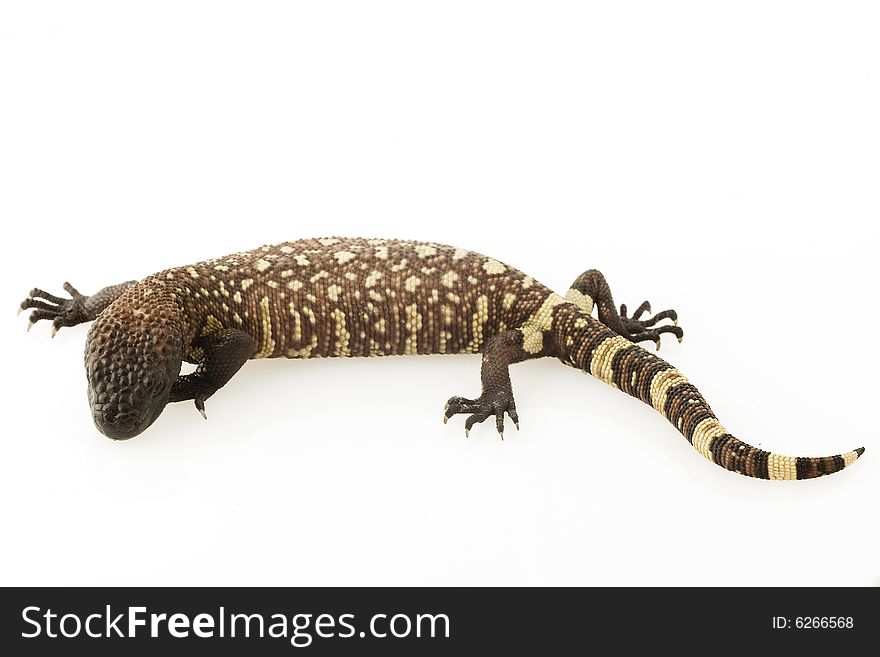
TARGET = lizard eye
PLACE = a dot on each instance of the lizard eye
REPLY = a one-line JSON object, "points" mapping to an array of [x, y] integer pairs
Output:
{"points": [[157, 388]]}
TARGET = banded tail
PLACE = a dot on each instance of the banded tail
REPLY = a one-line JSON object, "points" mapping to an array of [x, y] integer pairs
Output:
{"points": [[589, 345]]}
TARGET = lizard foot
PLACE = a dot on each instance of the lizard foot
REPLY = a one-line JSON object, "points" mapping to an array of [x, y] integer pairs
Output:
{"points": [[636, 329], [494, 403], [62, 312], [193, 386]]}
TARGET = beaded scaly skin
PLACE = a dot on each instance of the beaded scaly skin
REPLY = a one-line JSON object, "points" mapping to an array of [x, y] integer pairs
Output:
{"points": [[350, 297]]}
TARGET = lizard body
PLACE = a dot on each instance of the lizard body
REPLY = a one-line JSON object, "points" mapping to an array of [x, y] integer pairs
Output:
{"points": [[373, 297]]}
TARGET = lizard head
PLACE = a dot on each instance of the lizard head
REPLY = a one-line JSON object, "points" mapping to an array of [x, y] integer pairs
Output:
{"points": [[133, 357]]}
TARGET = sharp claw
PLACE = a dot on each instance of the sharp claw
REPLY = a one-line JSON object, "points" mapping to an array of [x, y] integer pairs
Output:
{"points": [[200, 406], [445, 419], [54, 331], [30, 325], [20, 311], [680, 339], [466, 433], [501, 433], [658, 345], [675, 322], [516, 424]]}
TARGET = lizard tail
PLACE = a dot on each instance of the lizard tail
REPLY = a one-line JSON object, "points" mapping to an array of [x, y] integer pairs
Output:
{"points": [[587, 344]]}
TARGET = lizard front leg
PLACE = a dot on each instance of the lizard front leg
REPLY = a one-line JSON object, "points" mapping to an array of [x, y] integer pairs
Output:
{"points": [[70, 312], [225, 351], [496, 396]]}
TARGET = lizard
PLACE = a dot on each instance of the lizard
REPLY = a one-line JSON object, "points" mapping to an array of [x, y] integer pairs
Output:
{"points": [[348, 297]]}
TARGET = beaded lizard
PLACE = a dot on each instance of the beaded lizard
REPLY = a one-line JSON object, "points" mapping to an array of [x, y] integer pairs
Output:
{"points": [[373, 297]]}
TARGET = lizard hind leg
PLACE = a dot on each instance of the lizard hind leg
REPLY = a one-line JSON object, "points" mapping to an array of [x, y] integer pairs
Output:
{"points": [[496, 396], [591, 289]]}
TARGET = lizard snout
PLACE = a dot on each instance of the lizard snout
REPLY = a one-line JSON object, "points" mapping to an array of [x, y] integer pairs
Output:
{"points": [[119, 426]]}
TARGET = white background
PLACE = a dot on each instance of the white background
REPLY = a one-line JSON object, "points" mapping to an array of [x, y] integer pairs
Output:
{"points": [[719, 160]]}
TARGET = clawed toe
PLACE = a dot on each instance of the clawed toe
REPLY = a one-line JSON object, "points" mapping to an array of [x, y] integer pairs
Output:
{"points": [[645, 307], [457, 405], [653, 334], [665, 314], [651, 321]]}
